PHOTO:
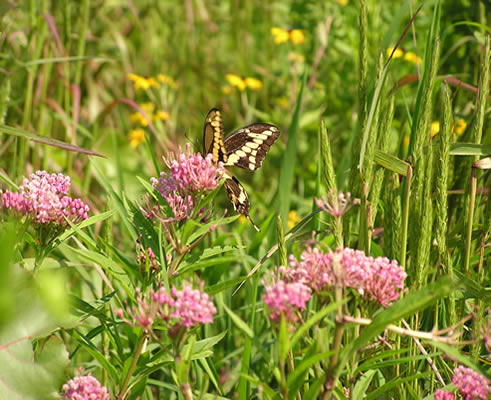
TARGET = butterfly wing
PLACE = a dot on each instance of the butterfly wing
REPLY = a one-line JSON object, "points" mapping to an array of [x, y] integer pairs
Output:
{"points": [[213, 136], [247, 147], [238, 196]]}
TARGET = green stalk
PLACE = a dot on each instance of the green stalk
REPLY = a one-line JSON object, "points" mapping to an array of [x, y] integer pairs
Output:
{"points": [[82, 32], [421, 139], [243, 389], [405, 217], [382, 145], [326, 156], [138, 350], [281, 242], [470, 218], [443, 168], [354, 182]]}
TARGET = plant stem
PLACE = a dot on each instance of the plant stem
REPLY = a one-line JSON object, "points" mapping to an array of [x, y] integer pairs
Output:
{"points": [[470, 215], [139, 347], [405, 217]]}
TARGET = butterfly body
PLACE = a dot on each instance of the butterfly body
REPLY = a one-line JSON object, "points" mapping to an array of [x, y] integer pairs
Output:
{"points": [[244, 148]]}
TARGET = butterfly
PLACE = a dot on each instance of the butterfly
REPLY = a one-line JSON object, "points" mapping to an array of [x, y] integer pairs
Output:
{"points": [[245, 148]]}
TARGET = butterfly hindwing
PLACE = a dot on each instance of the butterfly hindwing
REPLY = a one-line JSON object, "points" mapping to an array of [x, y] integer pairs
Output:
{"points": [[238, 197], [213, 136], [247, 147]]}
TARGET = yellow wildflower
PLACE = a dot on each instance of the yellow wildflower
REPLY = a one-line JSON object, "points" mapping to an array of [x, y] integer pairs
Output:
{"points": [[293, 218], [405, 141], [280, 35], [138, 118], [341, 2], [161, 115], [460, 128], [242, 219], [397, 54], [410, 56], [435, 128], [283, 102], [136, 136], [226, 90], [253, 83], [167, 80], [236, 81], [295, 57], [140, 82], [297, 36], [148, 108]]}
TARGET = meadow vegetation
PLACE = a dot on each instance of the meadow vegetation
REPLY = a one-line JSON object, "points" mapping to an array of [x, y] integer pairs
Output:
{"points": [[125, 272]]}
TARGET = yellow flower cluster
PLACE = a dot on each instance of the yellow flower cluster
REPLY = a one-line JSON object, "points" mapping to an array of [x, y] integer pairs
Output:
{"points": [[407, 56], [148, 109], [459, 127], [136, 137], [242, 83], [141, 82], [341, 2], [296, 36], [295, 57], [293, 219]]}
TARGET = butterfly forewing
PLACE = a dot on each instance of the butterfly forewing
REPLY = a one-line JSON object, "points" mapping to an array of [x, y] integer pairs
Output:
{"points": [[247, 147], [213, 136]]}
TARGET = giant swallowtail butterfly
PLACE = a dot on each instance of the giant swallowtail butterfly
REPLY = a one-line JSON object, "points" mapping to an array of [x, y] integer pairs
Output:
{"points": [[244, 148]]}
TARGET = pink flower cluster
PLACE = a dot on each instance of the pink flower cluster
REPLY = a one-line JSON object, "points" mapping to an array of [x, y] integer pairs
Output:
{"points": [[85, 388], [189, 175], [187, 307], [286, 298], [471, 384], [336, 203], [444, 395], [378, 278], [43, 198]]}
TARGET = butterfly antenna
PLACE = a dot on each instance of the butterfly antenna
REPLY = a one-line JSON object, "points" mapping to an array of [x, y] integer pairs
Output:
{"points": [[253, 224]]}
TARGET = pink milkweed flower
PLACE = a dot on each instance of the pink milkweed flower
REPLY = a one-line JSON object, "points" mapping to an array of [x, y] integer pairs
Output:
{"points": [[444, 395], [313, 269], [471, 384], [187, 307], [43, 198], [189, 176], [85, 388], [378, 278], [336, 203], [287, 299]]}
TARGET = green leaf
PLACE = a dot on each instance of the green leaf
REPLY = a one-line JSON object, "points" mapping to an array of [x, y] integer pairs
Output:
{"points": [[296, 378], [205, 345], [391, 162], [395, 382], [302, 331], [46, 140], [221, 286], [239, 322], [24, 375], [283, 339], [470, 149], [407, 306], [362, 384], [4, 99]]}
